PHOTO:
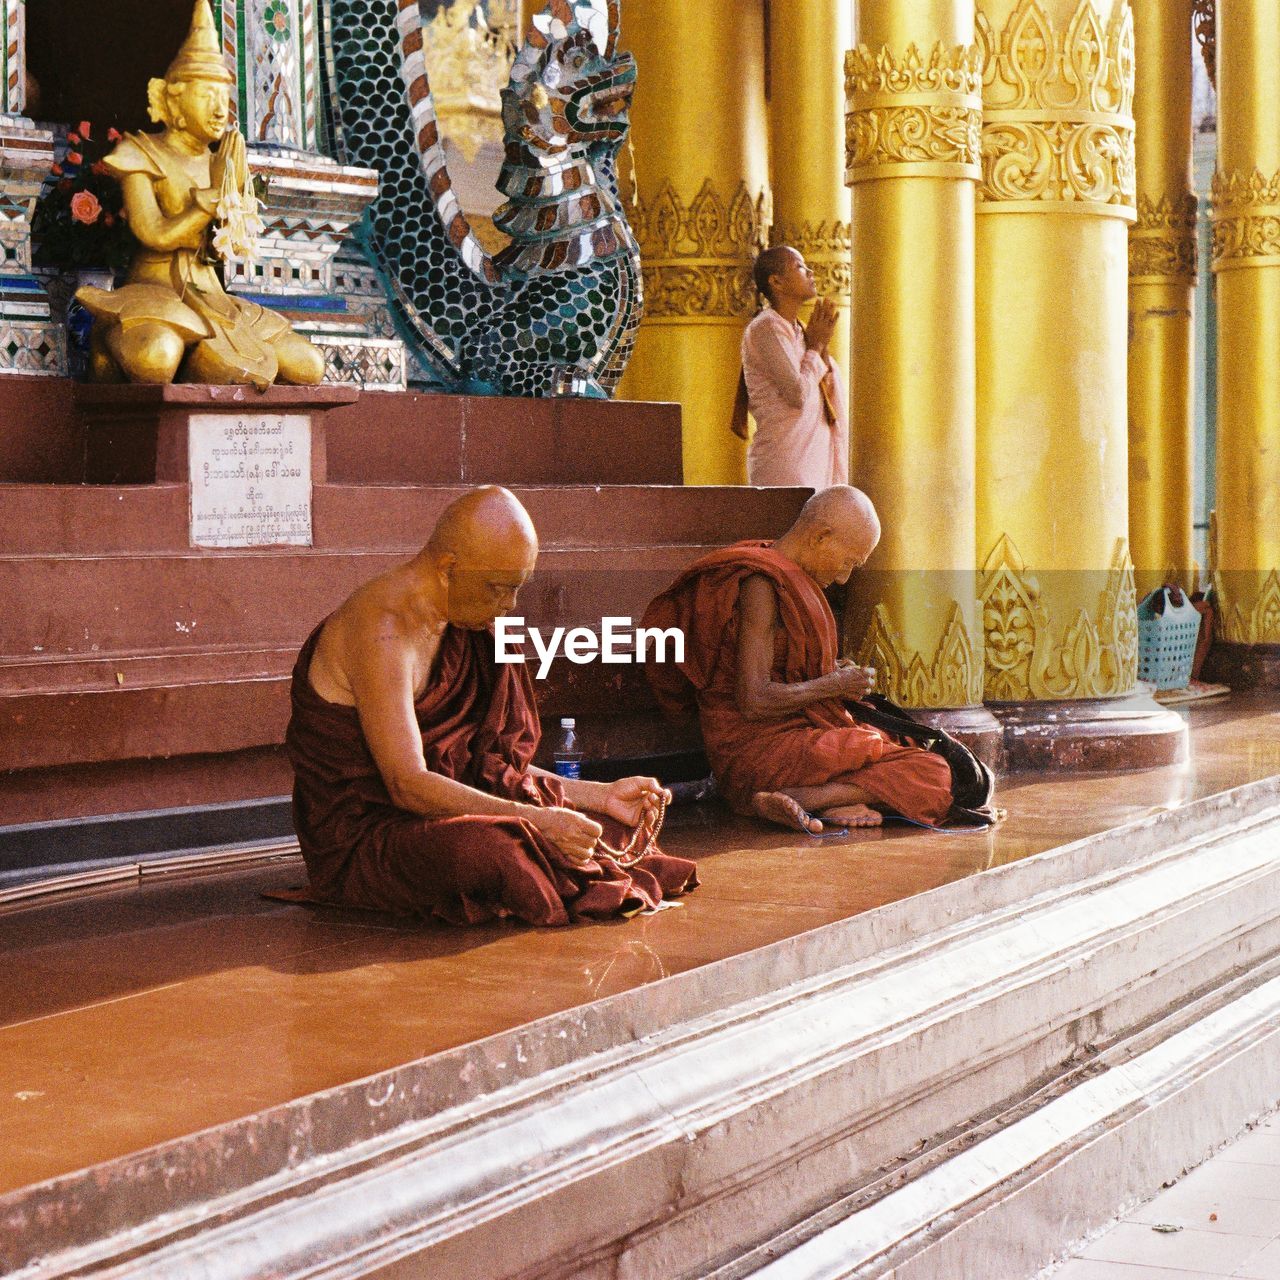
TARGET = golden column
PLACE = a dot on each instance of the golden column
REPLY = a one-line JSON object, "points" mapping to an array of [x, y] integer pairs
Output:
{"points": [[1054, 208], [1246, 258], [700, 138], [807, 43], [1162, 277], [914, 132]]}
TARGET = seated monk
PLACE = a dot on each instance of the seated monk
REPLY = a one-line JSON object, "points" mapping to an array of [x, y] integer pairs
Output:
{"points": [[411, 748], [778, 707]]}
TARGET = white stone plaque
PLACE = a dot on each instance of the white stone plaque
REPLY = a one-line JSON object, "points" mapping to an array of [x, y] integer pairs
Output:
{"points": [[250, 479]]}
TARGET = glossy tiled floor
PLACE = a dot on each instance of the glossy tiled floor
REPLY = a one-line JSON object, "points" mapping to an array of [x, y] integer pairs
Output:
{"points": [[134, 1016], [1227, 1219]]}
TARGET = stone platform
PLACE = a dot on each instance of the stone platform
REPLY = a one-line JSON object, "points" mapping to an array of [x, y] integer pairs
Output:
{"points": [[898, 1053], [144, 672]]}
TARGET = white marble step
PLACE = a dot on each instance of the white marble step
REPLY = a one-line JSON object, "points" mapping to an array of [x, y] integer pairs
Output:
{"points": [[702, 1123]]}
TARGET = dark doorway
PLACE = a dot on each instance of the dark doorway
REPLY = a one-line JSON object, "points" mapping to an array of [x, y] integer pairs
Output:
{"points": [[91, 59]]}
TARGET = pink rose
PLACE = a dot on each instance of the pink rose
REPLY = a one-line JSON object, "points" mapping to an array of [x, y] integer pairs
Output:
{"points": [[83, 130], [85, 207]]}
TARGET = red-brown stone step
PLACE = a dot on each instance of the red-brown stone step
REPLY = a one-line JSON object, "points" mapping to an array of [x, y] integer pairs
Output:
{"points": [[121, 519]]}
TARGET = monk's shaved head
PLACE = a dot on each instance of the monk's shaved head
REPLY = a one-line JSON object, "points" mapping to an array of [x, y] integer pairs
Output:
{"points": [[835, 532], [843, 510], [485, 528]]}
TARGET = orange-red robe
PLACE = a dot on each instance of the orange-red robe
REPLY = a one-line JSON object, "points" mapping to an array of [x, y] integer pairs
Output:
{"points": [[479, 726], [823, 743]]}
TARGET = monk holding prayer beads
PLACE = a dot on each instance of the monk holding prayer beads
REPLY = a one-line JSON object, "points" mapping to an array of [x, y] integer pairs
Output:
{"points": [[785, 721], [411, 747]]}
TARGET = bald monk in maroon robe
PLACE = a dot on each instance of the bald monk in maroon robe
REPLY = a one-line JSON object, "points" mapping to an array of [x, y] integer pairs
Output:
{"points": [[776, 703], [411, 747]]}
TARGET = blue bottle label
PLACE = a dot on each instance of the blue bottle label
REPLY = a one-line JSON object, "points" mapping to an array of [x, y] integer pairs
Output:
{"points": [[569, 768]]}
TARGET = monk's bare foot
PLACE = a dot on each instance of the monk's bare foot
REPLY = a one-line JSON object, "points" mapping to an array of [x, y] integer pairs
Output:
{"points": [[852, 815], [780, 808]]}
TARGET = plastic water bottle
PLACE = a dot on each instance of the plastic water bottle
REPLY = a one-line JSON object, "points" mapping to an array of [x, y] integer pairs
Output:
{"points": [[568, 755]]}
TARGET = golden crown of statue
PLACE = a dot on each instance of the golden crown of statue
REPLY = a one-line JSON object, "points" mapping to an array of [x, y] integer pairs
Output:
{"points": [[200, 57]]}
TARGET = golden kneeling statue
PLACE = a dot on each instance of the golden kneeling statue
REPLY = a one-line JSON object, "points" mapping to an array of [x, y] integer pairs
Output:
{"points": [[172, 318]]}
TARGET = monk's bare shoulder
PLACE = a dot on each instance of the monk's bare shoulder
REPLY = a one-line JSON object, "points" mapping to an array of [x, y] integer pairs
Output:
{"points": [[757, 603], [371, 626]]}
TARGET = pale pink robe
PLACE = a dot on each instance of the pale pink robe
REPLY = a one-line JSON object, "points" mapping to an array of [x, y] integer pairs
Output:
{"points": [[794, 444]]}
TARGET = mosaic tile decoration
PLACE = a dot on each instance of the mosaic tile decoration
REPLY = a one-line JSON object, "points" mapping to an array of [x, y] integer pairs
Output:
{"points": [[273, 46], [32, 340], [13, 16], [565, 296], [323, 286]]}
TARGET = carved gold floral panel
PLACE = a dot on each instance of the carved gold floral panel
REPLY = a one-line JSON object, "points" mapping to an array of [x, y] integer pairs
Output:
{"points": [[1162, 243], [1026, 659], [697, 257], [1057, 111], [912, 114], [1246, 219], [952, 679]]}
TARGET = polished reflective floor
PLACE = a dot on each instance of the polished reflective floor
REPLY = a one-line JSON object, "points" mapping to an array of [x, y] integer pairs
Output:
{"points": [[132, 1016]]}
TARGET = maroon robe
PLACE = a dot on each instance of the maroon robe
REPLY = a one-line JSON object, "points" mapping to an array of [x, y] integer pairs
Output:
{"points": [[479, 726], [823, 743]]}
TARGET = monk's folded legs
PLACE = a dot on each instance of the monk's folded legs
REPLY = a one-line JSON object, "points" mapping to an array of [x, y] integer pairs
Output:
{"points": [[841, 804]]}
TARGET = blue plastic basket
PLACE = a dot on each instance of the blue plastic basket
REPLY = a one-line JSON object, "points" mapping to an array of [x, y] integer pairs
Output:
{"points": [[1167, 641]]}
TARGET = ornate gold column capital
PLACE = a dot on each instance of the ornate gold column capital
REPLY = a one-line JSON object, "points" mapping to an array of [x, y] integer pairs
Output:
{"points": [[697, 258], [1057, 130], [911, 114], [1162, 243], [1246, 220], [1094, 657], [1204, 19], [827, 248], [953, 678]]}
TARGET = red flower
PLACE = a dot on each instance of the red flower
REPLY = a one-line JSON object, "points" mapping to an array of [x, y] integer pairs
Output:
{"points": [[109, 219], [100, 169], [85, 207], [74, 157], [74, 139], [84, 129], [114, 135], [56, 171]]}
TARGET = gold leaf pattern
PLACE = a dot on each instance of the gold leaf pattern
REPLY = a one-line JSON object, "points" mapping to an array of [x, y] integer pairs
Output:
{"points": [[1057, 110], [1204, 19], [697, 258], [1241, 621], [1023, 662], [1246, 219], [913, 113], [954, 69], [952, 679], [1162, 243]]}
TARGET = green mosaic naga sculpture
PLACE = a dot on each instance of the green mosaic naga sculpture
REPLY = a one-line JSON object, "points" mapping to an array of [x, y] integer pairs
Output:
{"points": [[556, 310]]}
